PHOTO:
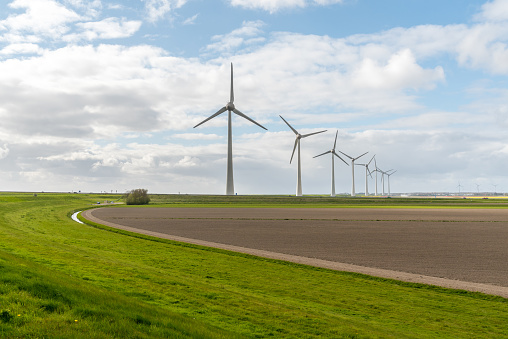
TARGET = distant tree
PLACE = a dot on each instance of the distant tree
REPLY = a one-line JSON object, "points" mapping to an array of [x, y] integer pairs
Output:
{"points": [[137, 197]]}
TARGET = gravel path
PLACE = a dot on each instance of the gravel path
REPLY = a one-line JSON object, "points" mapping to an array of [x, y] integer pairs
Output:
{"points": [[455, 248]]}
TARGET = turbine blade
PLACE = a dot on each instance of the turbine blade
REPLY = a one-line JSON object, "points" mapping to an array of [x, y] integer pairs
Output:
{"points": [[371, 160], [338, 156], [232, 94], [246, 117], [322, 154], [294, 148], [308, 135], [287, 123], [335, 143], [361, 155], [222, 110], [346, 155]]}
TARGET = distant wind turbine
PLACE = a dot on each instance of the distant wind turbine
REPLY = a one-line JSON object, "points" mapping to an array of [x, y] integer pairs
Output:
{"points": [[230, 107], [376, 170], [367, 173], [297, 143], [459, 186], [388, 175], [353, 170], [332, 152]]}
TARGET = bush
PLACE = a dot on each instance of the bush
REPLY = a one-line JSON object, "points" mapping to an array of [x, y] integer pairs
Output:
{"points": [[138, 197]]}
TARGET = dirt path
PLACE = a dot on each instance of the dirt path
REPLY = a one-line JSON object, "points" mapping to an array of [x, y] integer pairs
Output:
{"points": [[461, 249]]}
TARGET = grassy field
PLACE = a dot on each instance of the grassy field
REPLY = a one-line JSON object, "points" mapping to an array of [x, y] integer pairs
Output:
{"points": [[61, 279]]}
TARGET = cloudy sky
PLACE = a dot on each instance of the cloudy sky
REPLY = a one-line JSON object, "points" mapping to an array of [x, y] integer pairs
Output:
{"points": [[100, 95]]}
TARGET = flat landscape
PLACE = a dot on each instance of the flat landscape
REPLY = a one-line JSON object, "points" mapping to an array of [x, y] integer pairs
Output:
{"points": [[467, 245], [64, 279]]}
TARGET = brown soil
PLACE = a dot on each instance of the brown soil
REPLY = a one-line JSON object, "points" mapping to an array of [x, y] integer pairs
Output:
{"points": [[456, 248]]}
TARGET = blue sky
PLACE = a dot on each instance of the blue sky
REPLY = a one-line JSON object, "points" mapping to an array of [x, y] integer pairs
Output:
{"points": [[102, 95]]}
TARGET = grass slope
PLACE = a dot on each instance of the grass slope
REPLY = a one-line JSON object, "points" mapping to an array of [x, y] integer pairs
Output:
{"points": [[54, 271]]}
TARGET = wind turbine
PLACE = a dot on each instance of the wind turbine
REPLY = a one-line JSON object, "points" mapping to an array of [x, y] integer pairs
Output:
{"points": [[383, 173], [459, 187], [376, 170], [297, 143], [353, 170], [367, 173], [388, 175], [230, 107], [332, 152]]}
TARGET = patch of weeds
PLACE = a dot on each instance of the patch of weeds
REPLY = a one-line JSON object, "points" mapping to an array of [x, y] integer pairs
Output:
{"points": [[6, 316], [52, 307], [142, 321]]}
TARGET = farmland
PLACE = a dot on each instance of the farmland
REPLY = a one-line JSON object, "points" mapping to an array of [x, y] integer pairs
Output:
{"points": [[64, 279]]}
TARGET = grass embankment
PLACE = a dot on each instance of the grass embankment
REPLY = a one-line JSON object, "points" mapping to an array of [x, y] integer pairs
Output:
{"points": [[54, 271]]}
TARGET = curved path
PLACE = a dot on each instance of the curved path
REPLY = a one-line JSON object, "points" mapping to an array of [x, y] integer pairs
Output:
{"points": [[455, 248]]}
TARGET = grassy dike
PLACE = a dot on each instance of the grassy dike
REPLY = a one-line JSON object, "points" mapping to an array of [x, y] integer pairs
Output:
{"points": [[61, 279]]}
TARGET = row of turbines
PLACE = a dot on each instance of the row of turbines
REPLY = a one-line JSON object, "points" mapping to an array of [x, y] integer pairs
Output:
{"points": [[230, 190], [334, 154]]}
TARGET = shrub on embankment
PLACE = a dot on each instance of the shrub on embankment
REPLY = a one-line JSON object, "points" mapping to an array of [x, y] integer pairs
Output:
{"points": [[137, 197]]}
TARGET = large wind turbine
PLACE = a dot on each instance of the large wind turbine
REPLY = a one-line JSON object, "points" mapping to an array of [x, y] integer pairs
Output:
{"points": [[297, 143], [230, 107], [353, 170], [332, 152], [367, 173]]}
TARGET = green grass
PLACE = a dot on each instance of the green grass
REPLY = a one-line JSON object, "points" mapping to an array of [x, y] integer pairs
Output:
{"points": [[54, 271]]}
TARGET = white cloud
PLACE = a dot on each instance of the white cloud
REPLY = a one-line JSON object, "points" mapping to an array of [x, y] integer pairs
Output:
{"points": [[400, 72], [46, 18], [158, 9], [191, 20], [25, 48], [197, 136], [109, 28], [273, 6], [4, 151], [242, 37], [496, 10]]}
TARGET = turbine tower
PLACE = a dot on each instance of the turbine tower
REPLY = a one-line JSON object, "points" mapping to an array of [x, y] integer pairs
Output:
{"points": [[367, 173], [230, 107], [297, 143], [332, 152], [353, 170]]}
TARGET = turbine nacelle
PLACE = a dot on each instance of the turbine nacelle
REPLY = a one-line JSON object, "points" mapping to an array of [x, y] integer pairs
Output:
{"points": [[230, 106]]}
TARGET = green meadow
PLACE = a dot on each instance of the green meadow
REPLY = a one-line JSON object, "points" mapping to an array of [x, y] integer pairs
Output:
{"points": [[62, 279]]}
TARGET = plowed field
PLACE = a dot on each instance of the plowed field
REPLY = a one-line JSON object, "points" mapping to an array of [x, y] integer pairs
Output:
{"points": [[453, 245]]}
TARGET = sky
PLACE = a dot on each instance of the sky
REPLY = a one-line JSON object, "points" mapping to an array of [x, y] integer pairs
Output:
{"points": [[99, 95]]}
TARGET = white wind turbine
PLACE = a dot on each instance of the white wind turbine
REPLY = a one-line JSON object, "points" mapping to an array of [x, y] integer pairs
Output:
{"points": [[388, 175], [353, 170], [367, 173], [376, 170], [383, 178], [297, 143], [230, 107], [332, 152]]}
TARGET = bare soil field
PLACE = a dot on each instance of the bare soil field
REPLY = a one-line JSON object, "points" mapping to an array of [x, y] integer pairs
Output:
{"points": [[457, 248]]}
